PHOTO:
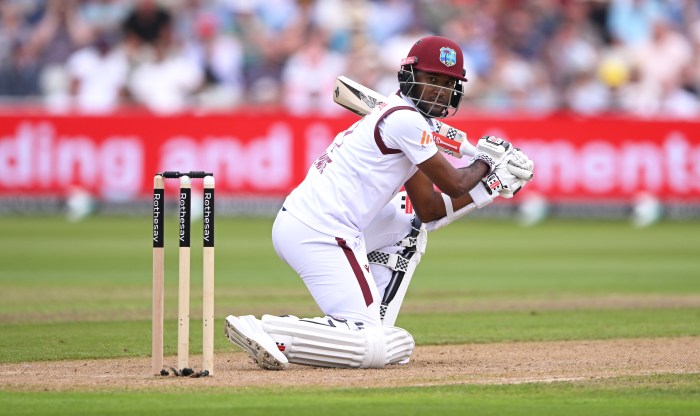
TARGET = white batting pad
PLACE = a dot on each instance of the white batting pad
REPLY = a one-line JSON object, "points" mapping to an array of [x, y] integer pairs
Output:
{"points": [[332, 342], [399, 345]]}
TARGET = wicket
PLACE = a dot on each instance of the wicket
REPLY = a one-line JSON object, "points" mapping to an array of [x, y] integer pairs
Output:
{"points": [[184, 219]]}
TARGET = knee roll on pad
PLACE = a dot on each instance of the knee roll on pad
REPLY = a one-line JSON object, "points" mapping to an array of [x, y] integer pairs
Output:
{"points": [[331, 342], [399, 345], [396, 344]]}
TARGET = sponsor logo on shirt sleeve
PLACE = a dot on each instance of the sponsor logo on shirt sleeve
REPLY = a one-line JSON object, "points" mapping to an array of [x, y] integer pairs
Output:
{"points": [[426, 139]]}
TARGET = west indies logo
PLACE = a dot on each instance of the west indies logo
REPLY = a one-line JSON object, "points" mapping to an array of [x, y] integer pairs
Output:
{"points": [[448, 56]]}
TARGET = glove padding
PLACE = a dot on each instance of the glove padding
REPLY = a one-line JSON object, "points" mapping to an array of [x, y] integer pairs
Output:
{"points": [[492, 150], [520, 165], [504, 182]]}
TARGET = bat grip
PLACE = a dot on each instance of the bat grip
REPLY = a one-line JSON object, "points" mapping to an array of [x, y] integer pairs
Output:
{"points": [[467, 149], [457, 147]]}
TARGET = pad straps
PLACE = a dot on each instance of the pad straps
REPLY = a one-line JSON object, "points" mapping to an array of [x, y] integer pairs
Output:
{"points": [[397, 275]]}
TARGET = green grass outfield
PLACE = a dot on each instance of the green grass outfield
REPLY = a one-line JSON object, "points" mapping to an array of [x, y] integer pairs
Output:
{"points": [[653, 396], [82, 290]]}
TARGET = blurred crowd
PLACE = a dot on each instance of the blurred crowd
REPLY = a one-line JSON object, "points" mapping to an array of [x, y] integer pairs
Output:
{"points": [[639, 57]]}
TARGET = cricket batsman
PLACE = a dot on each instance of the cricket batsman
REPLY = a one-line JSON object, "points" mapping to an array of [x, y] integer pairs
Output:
{"points": [[349, 205]]}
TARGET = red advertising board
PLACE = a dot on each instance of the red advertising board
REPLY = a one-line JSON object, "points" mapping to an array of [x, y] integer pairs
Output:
{"points": [[115, 157]]}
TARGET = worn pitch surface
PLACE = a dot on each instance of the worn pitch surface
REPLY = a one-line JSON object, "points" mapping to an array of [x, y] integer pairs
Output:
{"points": [[498, 363]]}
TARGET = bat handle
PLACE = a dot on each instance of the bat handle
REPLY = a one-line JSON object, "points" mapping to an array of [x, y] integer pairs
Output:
{"points": [[467, 149], [456, 147]]}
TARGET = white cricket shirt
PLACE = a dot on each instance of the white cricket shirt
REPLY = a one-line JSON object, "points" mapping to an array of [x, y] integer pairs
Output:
{"points": [[362, 170]]}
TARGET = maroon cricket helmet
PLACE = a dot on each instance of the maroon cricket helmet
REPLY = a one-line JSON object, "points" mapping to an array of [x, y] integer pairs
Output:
{"points": [[437, 55]]}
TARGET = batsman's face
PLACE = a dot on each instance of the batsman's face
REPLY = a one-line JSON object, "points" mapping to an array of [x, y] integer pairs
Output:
{"points": [[435, 91]]}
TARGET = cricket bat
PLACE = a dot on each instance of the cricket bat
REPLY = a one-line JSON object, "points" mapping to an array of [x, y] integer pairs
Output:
{"points": [[361, 100]]}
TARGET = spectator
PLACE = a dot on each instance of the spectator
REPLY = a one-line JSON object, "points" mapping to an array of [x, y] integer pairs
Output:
{"points": [[393, 50], [14, 30], [387, 18], [268, 42], [220, 56], [522, 32], [475, 42], [366, 68], [105, 16], [145, 25], [332, 17], [568, 54], [19, 69], [630, 21], [40, 61], [59, 33], [677, 102], [542, 97], [19, 73], [277, 15], [653, 56], [638, 98], [309, 75], [586, 94], [98, 75], [168, 81], [509, 81]]}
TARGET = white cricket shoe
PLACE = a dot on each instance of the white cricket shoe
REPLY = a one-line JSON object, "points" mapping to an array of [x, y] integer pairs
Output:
{"points": [[247, 333]]}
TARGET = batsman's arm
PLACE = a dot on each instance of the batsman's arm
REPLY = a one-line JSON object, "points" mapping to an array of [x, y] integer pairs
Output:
{"points": [[432, 205]]}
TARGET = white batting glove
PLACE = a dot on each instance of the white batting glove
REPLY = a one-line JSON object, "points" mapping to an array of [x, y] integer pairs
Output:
{"points": [[492, 150], [519, 164], [503, 182]]}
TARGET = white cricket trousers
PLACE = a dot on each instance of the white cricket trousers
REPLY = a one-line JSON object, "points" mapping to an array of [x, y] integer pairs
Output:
{"points": [[335, 270]]}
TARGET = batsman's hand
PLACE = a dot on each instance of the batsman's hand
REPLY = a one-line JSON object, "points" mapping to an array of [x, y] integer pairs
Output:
{"points": [[492, 150], [519, 164], [504, 182]]}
